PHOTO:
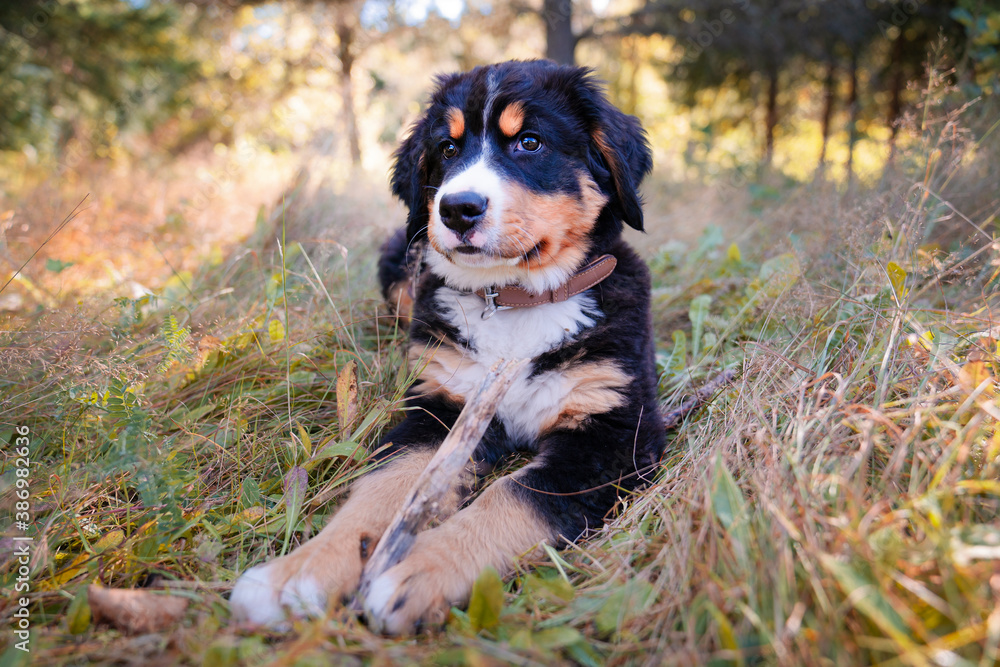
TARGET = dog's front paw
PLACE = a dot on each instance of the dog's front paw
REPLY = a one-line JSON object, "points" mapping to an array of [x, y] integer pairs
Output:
{"points": [[421, 589], [405, 598], [303, 583], [438, 573]]}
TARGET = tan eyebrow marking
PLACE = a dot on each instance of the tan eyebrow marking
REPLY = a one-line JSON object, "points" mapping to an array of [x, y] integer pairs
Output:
{"points": [[456, 122], [512, 119]]}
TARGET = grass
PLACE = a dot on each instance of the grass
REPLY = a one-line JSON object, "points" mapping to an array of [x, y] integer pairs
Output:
{"points": [[836, 504]]}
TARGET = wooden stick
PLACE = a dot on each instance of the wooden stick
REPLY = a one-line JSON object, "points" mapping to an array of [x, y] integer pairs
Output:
{"points": [[673, 417], [441, 474]]}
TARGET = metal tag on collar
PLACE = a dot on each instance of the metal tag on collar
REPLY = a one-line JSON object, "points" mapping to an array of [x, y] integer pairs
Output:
{"points": [[491, 304]]}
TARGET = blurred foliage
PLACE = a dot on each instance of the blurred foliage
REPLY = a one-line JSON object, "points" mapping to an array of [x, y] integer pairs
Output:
{"points": [[87, 69], [114, 77], [982, 26]]}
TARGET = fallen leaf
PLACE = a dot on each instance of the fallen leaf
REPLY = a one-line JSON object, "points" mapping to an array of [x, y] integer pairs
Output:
{"points": [[296, 483], [135, 611], [110, 540], [734, 254], [897, 277], [347, 398], [78, 615], [276, 331], [973, 374], [487, 601]]}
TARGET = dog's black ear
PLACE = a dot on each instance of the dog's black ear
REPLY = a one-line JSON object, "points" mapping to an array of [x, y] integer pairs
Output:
{"points": [[410, 176], [619, 151], [623, 146]]}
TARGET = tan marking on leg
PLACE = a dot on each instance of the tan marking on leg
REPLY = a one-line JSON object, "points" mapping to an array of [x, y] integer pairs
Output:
{"points": [[328, 567], [511, 119], [595, 388], [445, 561], [456, 122], [439, 363], [559, 225]]}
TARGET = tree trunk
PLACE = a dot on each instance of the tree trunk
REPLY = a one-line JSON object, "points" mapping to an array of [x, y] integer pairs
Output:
{"points": [[560, 42], [345, 38], [829, 97], [771, 119], [852, 123], [895, 94]]}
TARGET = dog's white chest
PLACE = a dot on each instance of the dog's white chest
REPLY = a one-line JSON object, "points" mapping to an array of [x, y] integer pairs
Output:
{"points": [[518, 333]]}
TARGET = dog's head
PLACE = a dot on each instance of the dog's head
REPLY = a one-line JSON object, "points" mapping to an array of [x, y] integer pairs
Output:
{"points": [[517, 171]]}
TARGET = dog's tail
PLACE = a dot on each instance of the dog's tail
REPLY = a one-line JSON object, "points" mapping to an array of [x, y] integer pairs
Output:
{"points": [[396, 267]]}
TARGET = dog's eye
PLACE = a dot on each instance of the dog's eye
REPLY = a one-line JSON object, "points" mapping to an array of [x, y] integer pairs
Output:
{"points": [[448, 149], [530, 143]]}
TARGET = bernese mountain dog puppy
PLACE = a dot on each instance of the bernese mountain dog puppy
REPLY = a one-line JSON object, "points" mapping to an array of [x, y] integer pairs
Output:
{"points": [[519, 179]]}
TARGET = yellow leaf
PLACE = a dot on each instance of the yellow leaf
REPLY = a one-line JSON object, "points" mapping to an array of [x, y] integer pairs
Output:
{"points": [[67, 574], [78, 614], [927, 340], [110, 540], [250, 514], [486, 602], [347, 398], [243, 340], [987, 486], [306, 440], [215, 256], [276, 331], [897, 276], [973, 374], [727, 636], [733, 254]]}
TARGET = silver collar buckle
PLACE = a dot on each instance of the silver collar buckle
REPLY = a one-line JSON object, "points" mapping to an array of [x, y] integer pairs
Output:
{"points": [[491, 304]]}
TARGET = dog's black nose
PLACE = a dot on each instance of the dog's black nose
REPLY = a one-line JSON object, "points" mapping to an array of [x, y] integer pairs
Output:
{"points": [[460, 211]]}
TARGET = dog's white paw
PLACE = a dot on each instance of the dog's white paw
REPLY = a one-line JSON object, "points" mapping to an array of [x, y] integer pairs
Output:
{"points": [[299, 585], [381, 594], [302, 596], [255, 599]]}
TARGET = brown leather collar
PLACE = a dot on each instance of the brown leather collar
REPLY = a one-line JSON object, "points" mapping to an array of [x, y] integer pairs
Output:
{"points": [[513, 296]]}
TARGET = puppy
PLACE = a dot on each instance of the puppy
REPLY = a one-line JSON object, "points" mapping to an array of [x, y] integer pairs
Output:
{"points": [[519, 179]]}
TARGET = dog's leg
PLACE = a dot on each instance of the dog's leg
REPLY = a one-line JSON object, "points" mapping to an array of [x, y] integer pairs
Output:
{"points": [[573, 483], [328, 567], [445, 561]]}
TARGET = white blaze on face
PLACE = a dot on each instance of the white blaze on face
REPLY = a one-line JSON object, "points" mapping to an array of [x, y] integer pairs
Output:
{"points": [[482, 179]]}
